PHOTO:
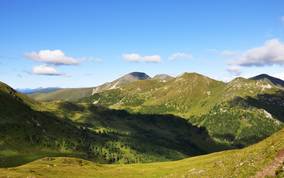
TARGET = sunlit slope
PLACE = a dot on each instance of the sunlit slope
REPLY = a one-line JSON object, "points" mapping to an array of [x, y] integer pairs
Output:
{"points": [[6, 90], [236, 163], [31, 130], [186, 95], [68, 94], [190, 93], [73, 94], [238, 113]]}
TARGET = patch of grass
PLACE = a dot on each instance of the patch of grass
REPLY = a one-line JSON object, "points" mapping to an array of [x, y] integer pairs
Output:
{"points": [[235, 163]]}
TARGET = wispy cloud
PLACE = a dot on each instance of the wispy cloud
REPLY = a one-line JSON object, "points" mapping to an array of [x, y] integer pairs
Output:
{"points": [[225, 53], [56, 57], [135, 57], [91, 59], [234, 70], [46, 70], [180, 56], [229, 53], [282, 19]]}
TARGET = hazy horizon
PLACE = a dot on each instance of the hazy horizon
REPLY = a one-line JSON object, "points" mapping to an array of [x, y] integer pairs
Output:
{"points": [[145, 73]]}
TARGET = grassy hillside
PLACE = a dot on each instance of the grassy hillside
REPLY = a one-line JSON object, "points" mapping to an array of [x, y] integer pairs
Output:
{"points": [[73, 94], [6, 90], [245, 162], [164, 137], [190, 93], [68, 94], [30, 130], [28, 133], [186, 95], [238, 113], [142, 121]]}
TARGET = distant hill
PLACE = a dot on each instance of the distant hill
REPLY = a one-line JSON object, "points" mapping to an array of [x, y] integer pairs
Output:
{"points": [[64, 94], [37, 90], [73, 94], [128, 78], [273, 80], [133, 76], [163, 77], [237, 113]]}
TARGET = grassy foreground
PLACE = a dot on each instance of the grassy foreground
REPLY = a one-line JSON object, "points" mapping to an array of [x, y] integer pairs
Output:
{"points": [[235, 163]]}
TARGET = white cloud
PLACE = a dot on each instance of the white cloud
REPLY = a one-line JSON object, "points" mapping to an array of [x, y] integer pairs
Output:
{"points": [[56, 57], [134, 57], [271, 53], [153, 58], [180, 55], [234, 69], [46, 70]]}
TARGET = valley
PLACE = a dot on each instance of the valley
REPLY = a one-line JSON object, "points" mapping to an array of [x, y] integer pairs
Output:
{"points": [[245, 162], [142, 120]]}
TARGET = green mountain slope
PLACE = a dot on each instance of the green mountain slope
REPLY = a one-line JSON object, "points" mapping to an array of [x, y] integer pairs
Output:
{"points": [[234, 113], [174, 119], [31, 130], [73, 94], [245, 162], [273, 80], [188, 94], [68, 94], [164, 137], [163, 77]]}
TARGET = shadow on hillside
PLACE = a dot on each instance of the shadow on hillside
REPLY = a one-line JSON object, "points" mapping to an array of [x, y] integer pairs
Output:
{"points": [[149, 134], [272, 103], [27, 134], [101, 134]]}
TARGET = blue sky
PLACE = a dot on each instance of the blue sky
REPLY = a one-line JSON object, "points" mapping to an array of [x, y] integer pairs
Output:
{"points": [[108, 38]]}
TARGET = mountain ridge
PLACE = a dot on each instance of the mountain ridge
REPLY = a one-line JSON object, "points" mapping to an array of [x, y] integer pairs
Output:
{"points": [[189, 115], [78, 93], [271, 79], [205, 102]]}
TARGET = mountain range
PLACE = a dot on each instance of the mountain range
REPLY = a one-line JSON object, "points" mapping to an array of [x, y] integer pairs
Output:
{"points": [[236, 113], [139, 119]]}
